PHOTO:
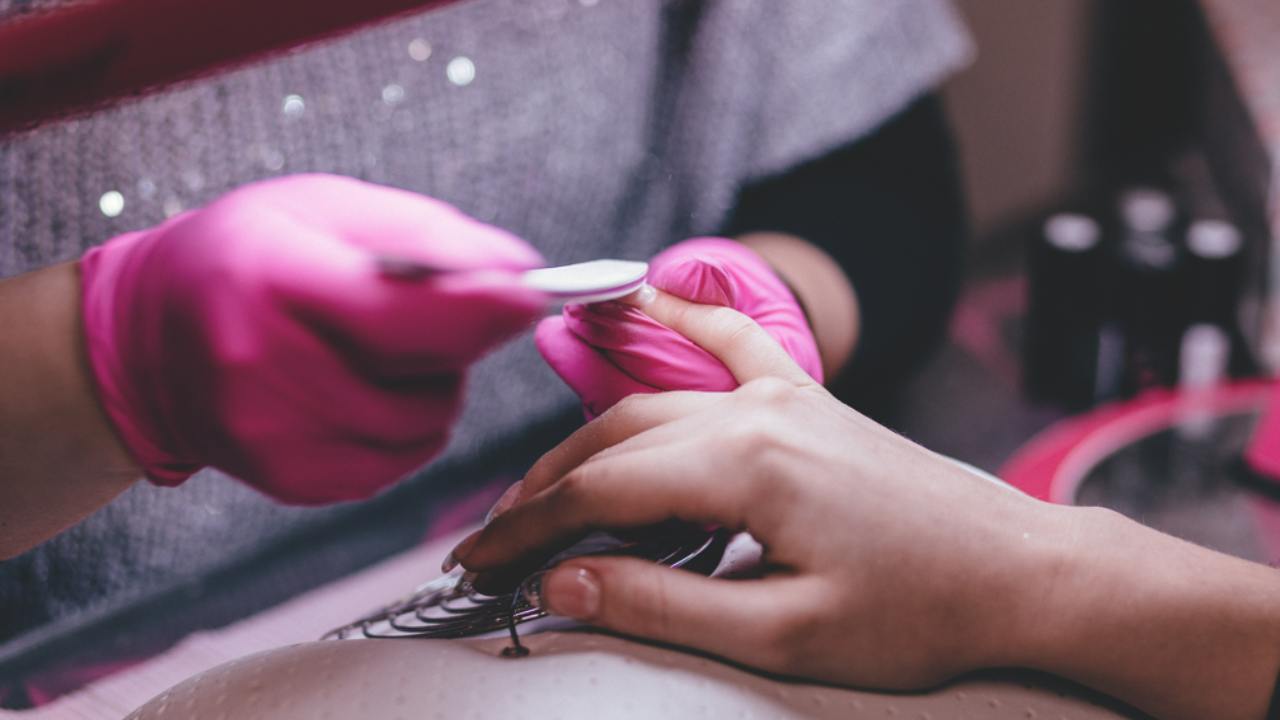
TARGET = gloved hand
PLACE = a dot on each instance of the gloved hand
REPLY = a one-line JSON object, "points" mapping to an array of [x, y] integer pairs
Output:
{"points": [[607, 351], [259, 336]]}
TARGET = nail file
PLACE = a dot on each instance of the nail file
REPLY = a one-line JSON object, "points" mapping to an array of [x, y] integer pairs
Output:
{"points": [[588, 282]]}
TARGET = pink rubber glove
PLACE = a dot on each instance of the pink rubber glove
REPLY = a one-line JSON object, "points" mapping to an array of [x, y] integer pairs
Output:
{"points": [[610, 350], [258, 335]]}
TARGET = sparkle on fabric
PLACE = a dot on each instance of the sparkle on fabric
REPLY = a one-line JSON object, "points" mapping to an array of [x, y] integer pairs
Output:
{"points": [[419, 49], [392, 94], [193, 179], [461, 71], [294, 106], [111, 203], [272, 159], [402, 120]]}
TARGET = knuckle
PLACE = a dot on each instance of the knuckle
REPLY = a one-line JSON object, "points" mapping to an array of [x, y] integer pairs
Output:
{"points": [[627, 605], [751, 437], [571, 489], [787, 640], [628, 405], [652, 611], [738, 329], [770, 391]]}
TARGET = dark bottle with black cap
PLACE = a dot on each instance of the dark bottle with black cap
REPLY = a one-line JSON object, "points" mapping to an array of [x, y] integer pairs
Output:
{"points": [[1064, 312], [1214, 275], [1149, 289]]}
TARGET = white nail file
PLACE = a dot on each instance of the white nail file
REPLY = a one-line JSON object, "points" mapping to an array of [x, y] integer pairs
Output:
{"points": [[588, 282]]}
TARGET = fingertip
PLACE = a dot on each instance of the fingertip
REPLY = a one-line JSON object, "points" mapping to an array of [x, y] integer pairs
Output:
{"points": [[571, 591], [585, 369], [697, 278], [509, 498], [484, 302], [551, 335], [640, 598], [642, 298]]}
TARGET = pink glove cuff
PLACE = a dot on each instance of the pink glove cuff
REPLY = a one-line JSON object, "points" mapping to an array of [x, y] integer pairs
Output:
{"points": [[101, 270]]}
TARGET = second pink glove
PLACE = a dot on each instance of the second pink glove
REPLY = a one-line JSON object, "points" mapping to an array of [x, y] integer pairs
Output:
{"points": [[610, 350]]}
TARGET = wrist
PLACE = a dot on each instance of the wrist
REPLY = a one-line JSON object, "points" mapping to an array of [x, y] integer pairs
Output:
{"points": [[821, 289], [1017, 584], [1172, 628], [59, 458], [118, 306], [1054, 585]]}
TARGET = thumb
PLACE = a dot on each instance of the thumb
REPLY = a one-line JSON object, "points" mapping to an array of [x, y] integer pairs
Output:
{"points": [[742, 620]]}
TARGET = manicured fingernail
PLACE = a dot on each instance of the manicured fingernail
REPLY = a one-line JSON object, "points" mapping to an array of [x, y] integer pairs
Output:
{"points": [[460, 551], [572, 593], [641, 298], [505, 502], [450, 562]]}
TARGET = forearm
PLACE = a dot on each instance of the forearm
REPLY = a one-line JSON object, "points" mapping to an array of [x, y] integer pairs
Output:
{"points": [[1172, 628], [59, 457], [824, 291]]}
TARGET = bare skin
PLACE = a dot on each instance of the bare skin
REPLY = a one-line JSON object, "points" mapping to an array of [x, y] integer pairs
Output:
{"points": [[59, 456], [921, 571], [823, 290]]}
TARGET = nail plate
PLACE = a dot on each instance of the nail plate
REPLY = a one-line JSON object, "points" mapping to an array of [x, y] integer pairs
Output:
{"points": [[576, 591], [460, 551], [641, 298], [450, 562], [505, 503]]}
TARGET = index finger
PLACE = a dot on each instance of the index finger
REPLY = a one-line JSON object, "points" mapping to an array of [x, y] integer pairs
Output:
{"points": [[735, 339], [637, 486]]}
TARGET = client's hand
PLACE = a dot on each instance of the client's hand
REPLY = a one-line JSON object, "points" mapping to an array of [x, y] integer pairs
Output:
{"points": [[259, 334], [607, 351], [885, 565]]}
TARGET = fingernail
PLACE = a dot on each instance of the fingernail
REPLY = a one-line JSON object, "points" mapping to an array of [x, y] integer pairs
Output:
{"points": [[460, 551], [450, 562], [572, 593], [505, 502], [641, 298]]}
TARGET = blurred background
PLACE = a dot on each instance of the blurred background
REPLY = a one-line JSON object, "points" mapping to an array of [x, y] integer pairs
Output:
{"points": [[1072, 106]]}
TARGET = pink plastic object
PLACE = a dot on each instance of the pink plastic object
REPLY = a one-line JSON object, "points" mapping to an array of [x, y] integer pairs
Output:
{"points": [[1263, 451], [259, 335], [610, 350], [1052, 465]]}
